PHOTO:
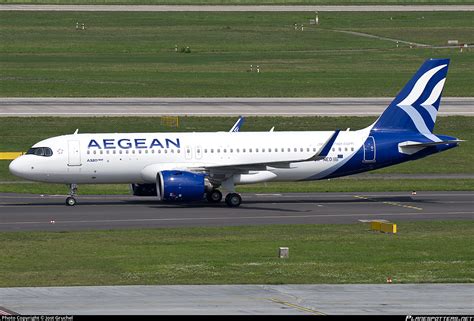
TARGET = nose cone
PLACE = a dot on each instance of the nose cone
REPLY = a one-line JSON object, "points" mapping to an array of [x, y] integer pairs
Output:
{"points": [[18, 167]]}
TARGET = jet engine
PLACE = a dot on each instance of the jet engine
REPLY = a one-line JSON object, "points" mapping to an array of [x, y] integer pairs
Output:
{"points": [[175, 185]]}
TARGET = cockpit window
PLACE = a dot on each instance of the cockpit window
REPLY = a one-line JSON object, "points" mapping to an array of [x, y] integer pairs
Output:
{"points": [[40, 151]]}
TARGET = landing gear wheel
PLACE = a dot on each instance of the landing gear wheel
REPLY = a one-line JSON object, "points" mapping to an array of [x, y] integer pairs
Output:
{"points": [[70, 201], [233, 200], [214, 196]]}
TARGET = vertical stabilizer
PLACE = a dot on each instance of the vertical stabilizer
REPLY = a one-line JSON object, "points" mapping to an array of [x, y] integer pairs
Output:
{"points": [[415, 108]]}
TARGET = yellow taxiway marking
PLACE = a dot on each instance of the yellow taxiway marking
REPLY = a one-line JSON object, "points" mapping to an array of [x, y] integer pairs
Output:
{"points": [[298, 307], [389, 203], [9, 155]]}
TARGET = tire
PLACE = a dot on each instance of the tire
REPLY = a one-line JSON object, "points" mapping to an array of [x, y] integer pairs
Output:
{"points": [[215, 196], [233, 200], [70, 201]]}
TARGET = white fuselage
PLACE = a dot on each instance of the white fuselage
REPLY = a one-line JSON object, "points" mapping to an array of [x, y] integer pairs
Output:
{"points": [[137, 157]]}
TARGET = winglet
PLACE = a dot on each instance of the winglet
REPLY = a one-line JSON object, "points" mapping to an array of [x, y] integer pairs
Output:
{"points": [[324, 151], [237, 125], [77, 131]]}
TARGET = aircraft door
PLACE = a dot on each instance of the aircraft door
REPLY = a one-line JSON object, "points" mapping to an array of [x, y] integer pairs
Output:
{"points": [[74, 153], [369, 150]]}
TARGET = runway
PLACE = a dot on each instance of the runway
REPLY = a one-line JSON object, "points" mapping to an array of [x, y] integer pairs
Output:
{"points": [[20, 212], [317, 299], [81, 107], [236, 8]]}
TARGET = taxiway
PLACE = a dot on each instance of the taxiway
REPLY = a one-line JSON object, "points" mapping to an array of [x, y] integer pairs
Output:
{"points": [[19, 212]]}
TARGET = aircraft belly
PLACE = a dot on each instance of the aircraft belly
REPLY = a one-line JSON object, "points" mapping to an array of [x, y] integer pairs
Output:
{"points": [[300, 171]]}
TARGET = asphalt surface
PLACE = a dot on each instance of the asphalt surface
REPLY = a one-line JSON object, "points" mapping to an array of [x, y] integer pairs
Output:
{"points": [[29, 107], [20, 212], [381, 299], [232, 8]]}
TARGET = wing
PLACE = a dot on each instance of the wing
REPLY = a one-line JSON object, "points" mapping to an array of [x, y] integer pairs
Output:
{"points": [[245, 167]]}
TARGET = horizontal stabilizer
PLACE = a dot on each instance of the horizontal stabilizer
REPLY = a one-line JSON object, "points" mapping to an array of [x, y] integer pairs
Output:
{"points": [[411, 147], [418, 144]]}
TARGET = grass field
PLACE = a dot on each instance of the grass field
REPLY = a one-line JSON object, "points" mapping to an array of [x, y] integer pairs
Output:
{"points": [[18, 134], [420, 252], [133, 54]]}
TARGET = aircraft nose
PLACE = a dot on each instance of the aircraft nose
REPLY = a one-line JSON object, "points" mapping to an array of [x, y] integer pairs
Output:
{"points": [[18, 167]]}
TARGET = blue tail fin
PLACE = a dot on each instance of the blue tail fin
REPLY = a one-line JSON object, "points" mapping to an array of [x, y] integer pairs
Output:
{"points": [[416, 106]]}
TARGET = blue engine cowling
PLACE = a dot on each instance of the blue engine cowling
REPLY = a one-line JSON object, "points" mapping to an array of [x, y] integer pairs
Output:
{"points": [[180, 186]]}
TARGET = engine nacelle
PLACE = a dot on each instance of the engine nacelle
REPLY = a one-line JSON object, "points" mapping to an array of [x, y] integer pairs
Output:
{"points": [[175, 185], [143, 189]]}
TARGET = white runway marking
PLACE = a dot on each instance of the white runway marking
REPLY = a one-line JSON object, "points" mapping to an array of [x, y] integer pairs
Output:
{"points": [[58, 222]]}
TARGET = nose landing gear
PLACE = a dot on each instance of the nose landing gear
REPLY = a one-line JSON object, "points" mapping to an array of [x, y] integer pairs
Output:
{"points": [[71, 201]]}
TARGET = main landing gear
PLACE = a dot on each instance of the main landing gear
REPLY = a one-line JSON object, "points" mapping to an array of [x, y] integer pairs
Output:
{"points": [[71, 201], [231, 199], [214, 196]]}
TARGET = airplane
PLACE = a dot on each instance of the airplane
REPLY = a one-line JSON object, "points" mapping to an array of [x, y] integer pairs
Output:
{"points": [[186, 167]]}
